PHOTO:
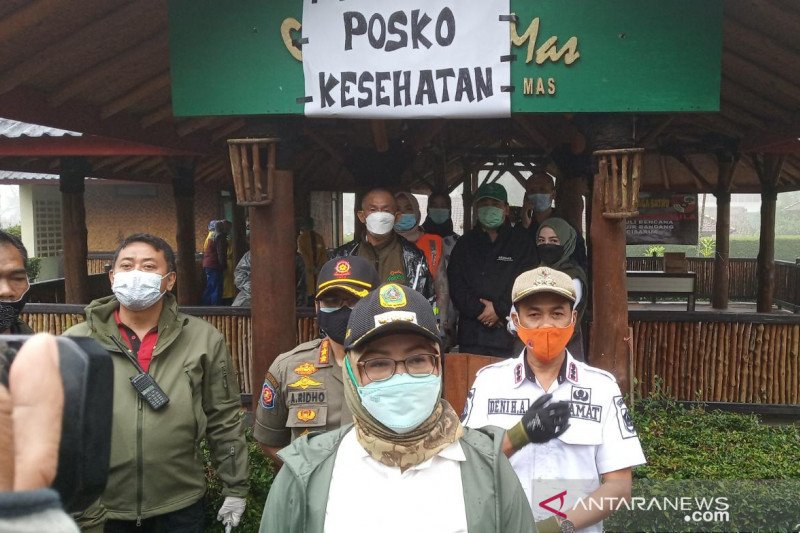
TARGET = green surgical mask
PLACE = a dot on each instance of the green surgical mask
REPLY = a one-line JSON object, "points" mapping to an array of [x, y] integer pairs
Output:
{"points": [[491, 217]]}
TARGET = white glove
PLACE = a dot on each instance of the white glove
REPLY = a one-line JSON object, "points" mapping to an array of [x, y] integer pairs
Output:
{"points": [[231, 511]]}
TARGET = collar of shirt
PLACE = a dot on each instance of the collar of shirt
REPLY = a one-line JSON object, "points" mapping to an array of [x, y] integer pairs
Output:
{"points": [[454, 452], [143, 348], [522, 370]]}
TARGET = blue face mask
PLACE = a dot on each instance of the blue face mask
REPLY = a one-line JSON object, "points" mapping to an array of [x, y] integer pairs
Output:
{"points": [[439, 215], [402, 402], [491, 217], [540, 202], [407, 221]]}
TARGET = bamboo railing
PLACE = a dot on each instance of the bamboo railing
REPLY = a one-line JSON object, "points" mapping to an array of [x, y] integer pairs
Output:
{"points": [[722, 357], [742, 284], [744, 358]]}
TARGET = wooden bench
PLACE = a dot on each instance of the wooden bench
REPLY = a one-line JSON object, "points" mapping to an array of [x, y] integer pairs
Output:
{"points": [[655, 283]]}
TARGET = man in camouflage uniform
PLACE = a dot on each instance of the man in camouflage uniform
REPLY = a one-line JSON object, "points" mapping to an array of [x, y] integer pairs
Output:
{"points": [[303, 389]]}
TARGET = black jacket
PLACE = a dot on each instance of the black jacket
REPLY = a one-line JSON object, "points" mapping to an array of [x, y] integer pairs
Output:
{"points": [[416, 267], [480, 268]]}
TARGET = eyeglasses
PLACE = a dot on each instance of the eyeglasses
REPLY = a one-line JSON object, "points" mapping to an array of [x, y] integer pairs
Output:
{"points": [[337, 302], [417, 365]]}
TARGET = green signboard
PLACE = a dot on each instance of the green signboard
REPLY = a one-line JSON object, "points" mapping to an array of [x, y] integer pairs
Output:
{"points": [[237, 58]]}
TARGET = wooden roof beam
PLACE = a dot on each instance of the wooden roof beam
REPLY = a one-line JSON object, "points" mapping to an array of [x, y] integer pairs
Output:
{"points": [[162, 113], [533, 132], [700, 180], [759, 47], [774, 135], [651, 136], [433, 129], [324, 144], [94, 75], [732, 91], [191, 125], [763, 81], [30, 14], [136, 95], [30, 105], [228, 129], [78, 40]]}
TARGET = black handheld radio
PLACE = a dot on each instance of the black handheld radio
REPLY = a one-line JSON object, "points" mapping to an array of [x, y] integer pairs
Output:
{"points": [[143, 382]]}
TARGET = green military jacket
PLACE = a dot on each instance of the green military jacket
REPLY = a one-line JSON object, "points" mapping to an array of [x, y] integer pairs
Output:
{"points": [[493, 497], [302, 391], [156, 463]]}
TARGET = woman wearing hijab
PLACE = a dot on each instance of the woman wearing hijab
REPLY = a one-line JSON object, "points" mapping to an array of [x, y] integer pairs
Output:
{"points": [[556, 243], [406, 463]]}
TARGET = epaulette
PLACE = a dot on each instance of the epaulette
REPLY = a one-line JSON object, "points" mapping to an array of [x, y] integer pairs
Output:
{"points": [[310, 345]]}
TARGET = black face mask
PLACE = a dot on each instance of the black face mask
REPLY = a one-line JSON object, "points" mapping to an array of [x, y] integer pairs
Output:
{"points": [[334, 325], [549, 254], [9, 312]]}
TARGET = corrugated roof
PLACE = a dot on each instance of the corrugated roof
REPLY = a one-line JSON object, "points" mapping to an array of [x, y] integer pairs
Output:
{"points": [[13, 175], [13, 129]]}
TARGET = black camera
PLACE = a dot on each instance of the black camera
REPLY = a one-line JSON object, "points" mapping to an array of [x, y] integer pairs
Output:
{"points": [[88, 377]]}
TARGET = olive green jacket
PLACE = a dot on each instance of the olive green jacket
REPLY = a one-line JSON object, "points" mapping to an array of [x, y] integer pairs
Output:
{"points": [[156, 462], [493, 497]]}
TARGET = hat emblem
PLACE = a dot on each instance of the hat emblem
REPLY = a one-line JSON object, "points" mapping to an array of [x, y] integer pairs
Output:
{"points": [[392, 296], [342, 269], [545, 279]]}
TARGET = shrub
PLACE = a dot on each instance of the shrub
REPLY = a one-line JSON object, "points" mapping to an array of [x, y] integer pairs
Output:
{"points": [[707, 246]]}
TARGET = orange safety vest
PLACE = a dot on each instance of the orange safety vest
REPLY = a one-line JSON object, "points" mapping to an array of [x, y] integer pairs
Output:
{"points": [[433, 248]]}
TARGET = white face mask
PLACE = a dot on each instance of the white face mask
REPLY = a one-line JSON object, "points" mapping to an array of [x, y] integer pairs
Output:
{"points": [[380, 223], [137, 290]]}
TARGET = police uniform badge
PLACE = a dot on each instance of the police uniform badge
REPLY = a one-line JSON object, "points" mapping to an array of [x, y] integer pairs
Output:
{"points": [[519, 375], [271, 384], [573, 371], [324, 352], [305, 382], [342, 269], [306, 415], [305, 369], [624, 418]]}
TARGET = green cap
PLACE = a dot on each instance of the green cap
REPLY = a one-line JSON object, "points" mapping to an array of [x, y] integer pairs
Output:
{"points": [[492, 190]]}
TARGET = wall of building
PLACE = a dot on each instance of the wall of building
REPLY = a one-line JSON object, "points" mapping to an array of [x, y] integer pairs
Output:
{"points": [[114, 211]]}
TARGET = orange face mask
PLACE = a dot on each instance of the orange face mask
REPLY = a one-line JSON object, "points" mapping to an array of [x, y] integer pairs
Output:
{"points": [[546, 343]]}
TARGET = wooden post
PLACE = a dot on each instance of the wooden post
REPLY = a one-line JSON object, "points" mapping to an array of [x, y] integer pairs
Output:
{"points": [[183, 192], [608, 340], [719, 291], [73, 218], [272, 252], [768, 167], [239, 224]]}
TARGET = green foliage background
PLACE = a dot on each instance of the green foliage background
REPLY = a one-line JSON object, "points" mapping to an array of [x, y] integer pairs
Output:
{"points": [[679, 443], [787, 248], [34, 263]]}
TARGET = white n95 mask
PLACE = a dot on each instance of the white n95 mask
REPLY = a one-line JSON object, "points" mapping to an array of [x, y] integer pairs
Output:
{"points": [[380, 223], [137, 290]]}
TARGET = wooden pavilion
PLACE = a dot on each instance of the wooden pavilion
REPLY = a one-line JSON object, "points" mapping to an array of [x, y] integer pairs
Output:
{"points": [[103, 69]]}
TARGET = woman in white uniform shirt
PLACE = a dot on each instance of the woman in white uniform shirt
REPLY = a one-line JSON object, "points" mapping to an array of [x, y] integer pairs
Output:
{"points": [[407, 464]]}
